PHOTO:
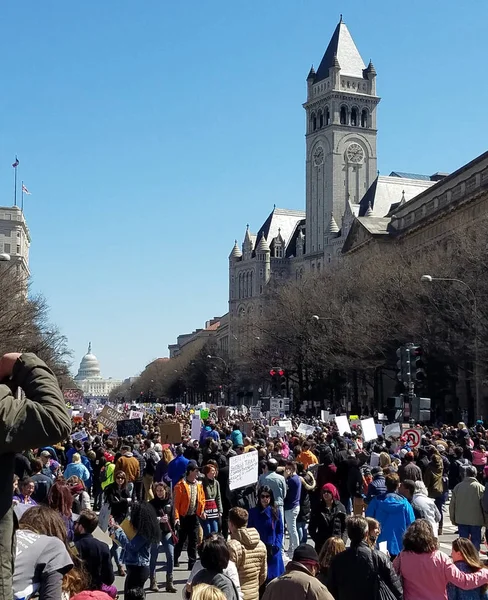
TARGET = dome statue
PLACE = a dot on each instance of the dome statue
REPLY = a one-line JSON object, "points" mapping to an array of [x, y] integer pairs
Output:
{"points": [[89, 366]]}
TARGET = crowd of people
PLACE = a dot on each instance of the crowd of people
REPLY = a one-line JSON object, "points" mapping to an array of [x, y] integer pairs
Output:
{"points": [[330, 516]]}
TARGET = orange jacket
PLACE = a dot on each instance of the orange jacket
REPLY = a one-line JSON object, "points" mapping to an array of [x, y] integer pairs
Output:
{"points": [[307, 458], [182, 499]]}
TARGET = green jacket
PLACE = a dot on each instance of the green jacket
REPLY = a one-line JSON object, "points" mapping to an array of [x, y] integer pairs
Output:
{"points": [[40, 419], [465, 507]]}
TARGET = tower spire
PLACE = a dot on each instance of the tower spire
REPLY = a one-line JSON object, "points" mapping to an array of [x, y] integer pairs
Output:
{"points": [[89, 348]]}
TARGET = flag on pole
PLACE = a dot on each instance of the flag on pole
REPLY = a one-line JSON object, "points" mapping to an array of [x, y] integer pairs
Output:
{"points": [[25, 190], [16, 163]]}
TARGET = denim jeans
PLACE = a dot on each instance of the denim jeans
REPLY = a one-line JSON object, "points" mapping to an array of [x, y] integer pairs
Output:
{"points": [[169, 549], [472, 532], [209, 526], [291, 524], [302, 532], [115, 554]]}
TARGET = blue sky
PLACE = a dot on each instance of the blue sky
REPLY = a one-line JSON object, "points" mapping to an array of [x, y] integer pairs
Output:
{"points": [[151, 132]]}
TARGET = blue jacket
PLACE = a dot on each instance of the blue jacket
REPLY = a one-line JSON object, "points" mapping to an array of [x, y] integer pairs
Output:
{"points": [[78, 469], [177, 469], [455, 593], [271, 534], [137, 551], [292, 498], [395, 514], [375, 488]]}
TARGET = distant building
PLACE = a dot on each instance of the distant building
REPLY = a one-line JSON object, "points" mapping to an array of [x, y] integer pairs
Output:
{"points": [[90, 380], [183, 340], [15, 238]]}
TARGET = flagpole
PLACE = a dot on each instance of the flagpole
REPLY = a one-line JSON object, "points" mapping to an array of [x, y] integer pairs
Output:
{"points": [[15, 185], [22, 203]]}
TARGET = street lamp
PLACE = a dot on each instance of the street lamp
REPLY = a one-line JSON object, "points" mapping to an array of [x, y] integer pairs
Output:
{"points": [[430, 279]]}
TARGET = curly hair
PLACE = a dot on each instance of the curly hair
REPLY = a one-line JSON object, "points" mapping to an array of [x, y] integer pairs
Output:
{"points": [[145, 522], [420, 538]]}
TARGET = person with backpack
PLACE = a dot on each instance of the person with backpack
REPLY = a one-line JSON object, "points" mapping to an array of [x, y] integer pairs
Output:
{"points": [[151, 459], [457, 468]]}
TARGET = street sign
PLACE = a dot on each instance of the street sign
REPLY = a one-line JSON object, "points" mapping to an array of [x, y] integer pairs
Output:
{"points": [[413, 437], [255, 413], [275, 405]]}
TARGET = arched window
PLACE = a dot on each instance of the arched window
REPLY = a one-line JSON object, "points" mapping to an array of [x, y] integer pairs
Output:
{"points": [[364, 118], [343, 115], [354, 117], [321, 119], [314, 121], [250, 285], [327, 116]]}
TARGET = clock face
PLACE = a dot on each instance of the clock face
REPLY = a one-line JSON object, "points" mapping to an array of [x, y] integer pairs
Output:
{"points": [[354, 153], [318, 156]]}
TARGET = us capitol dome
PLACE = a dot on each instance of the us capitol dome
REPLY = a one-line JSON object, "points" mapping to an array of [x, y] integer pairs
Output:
{"points": [[89, 378]]}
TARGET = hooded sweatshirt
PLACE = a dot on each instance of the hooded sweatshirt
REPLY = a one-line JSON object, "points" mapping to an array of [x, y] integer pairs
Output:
{"points": [[395, 514], [248, 552]]}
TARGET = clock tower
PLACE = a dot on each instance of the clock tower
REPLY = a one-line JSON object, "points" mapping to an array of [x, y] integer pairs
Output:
{"points": [[340, 136]]}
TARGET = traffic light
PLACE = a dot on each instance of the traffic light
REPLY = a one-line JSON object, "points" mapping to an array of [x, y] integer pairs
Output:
{"points": [[403, 364], [417, 364], [283, 382]]}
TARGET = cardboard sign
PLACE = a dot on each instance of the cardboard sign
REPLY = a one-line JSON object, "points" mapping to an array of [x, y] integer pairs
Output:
{"points": [[136, 414], [127, 427], [108, 417], [171, 432], [343, 424], [243, 470], [306, 429], [369, 429]]}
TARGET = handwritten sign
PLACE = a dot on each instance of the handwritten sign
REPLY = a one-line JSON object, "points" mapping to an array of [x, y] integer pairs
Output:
{"points": [[276, 431], [255, 413], [306, 429], [342, 423], [79, 435], [127, 427], [136, 414], [108, 417], [243, 470], [392, 431], [369, 429], [287, 425]]}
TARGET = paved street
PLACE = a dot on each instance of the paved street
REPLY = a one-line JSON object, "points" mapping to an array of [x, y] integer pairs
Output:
{"points": [[181, 573]]}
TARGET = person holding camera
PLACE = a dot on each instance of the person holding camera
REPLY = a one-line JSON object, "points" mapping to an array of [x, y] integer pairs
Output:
{"points": [[164, 510]]}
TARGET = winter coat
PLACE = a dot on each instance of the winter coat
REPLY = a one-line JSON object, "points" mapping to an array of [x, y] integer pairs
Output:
{"points": [[130, 465], [37, 419], [137, 551], [457, 471], [211, 488], [218, 580], [118, 499], [410, 471], [182, 499], [77, 469], [277, 483], [395, 514], [425, 508], [455, 593], [376, 487], [177, 469], [352, 574], [296, 584], [307, 458], [433, 477], [465, 507], [249, 555], [308, 485], [326, 523], [236, 437], [271, 533]]}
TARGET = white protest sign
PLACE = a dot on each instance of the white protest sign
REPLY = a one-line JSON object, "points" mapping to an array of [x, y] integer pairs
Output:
{"points": [[324, 415], [196, 427], [287, 425], [342, 423], [392, 431], [369, 429], [136, 414], [79, 435], [306, 429], [255, 413], [276, 431], [243, 470], [274, 407]]}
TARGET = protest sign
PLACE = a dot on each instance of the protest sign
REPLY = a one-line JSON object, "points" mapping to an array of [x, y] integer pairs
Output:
{"points": [[324, 415], [73, 395], [221, 412], [86, 416], [79, 435], [243, 470], [306, 429], [255, 413], [204, 412], [379, 428], [171, 432], [392, 431], [78, 419], [136, 414], [354, 418], [276, 431], [369, 429], [196, 427], [108, 417], [342, 424], [287, 425], [179, 407], [127, 427], [246, 428]]}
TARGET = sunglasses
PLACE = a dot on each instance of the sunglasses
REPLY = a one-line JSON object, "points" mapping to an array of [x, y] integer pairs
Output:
{"points": [[120, 478], [327, 492], [265, 496]]}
